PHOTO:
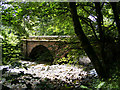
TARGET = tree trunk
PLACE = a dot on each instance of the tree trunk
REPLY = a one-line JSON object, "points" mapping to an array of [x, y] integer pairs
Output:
{"points": [[102, 36], [86, 44], [117, 20], [116, 15]]}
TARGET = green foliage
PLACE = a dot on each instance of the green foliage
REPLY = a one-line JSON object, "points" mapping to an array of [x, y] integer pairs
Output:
{"points": [[83, 87], [72, 57], [41, 18], [10, 46], [62, 61], [111, 83]]}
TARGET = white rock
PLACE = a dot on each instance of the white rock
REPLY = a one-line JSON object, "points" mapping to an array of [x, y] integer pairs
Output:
{"points": [[93, 72], [5, 66], [62, 72]]}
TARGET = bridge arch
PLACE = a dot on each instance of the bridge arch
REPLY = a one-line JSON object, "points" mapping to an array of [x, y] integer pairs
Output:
{"points": [[41, 53]]}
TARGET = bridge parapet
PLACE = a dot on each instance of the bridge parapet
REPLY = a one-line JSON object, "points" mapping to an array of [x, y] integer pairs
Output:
{"points": [[48, 37]]}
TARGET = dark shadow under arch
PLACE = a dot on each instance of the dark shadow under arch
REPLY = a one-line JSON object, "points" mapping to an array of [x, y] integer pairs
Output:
{"points": [[41, 54]]}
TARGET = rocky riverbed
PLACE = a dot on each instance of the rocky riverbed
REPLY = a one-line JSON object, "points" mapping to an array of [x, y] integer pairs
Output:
{"points": [[52, 76]]}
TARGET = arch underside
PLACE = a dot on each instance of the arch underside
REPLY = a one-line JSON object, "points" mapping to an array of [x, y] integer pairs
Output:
{"points": [[40, 54]]}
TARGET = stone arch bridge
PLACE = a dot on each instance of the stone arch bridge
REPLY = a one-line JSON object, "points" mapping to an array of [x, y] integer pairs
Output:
{"points": [[54, 45]]}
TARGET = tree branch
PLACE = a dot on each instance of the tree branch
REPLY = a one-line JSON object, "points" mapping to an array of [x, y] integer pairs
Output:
{"points": [[87, 12], [102, 5], [84, 19], [100, 21]]}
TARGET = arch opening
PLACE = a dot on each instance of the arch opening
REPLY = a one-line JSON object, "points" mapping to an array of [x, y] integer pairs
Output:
{"points": [[41, 54]]}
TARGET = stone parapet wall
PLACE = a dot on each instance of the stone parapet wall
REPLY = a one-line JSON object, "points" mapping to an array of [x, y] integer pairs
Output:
{"points": [[48, 37]]}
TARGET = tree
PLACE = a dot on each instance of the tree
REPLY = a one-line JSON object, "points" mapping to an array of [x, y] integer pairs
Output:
{"points": [[105, 63]]}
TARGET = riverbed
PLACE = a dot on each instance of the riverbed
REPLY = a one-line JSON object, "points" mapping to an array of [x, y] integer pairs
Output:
{"points": [[57, 75]]}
